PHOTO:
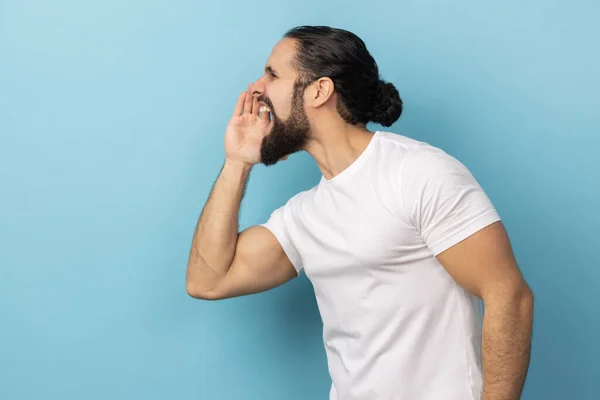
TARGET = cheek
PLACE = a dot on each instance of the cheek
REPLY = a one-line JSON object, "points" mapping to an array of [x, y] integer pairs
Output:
{"points": [[281, 98], [283, 106]]}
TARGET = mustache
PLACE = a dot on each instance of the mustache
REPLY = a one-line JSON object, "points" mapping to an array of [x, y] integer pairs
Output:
{"points": [[265, 100]]}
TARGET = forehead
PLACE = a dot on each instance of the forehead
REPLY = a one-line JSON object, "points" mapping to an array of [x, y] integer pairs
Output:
{"points": [[281, 58]]}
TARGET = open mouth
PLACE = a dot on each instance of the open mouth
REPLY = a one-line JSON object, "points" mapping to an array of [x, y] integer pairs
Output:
{"points": [[263, 107]]}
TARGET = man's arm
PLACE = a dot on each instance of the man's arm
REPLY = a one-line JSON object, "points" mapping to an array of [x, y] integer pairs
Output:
{"points": [[223, 263], [484, 265]]}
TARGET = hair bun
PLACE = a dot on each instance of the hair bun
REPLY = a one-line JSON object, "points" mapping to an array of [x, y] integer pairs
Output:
{"points": [[388, 107]]}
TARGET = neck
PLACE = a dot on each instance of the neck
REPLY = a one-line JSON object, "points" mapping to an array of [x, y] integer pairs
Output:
{"points": [[336, 146]]}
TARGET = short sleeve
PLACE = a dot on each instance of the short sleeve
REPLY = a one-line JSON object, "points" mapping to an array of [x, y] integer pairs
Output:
{"points": [[441, 198], [280, 223]]}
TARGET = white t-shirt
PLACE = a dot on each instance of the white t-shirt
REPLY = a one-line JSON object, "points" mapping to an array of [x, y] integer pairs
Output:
{"points": [[396, 326]]}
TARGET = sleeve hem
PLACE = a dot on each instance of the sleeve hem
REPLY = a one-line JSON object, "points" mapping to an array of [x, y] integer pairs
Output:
{"points": [[465, 231], [287, 247]]}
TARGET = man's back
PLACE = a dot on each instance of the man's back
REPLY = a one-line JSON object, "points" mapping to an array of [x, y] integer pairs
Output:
{"points": [[395, 322]]}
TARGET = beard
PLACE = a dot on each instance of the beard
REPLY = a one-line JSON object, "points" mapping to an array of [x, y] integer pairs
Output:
{"points": [[289, 136]]}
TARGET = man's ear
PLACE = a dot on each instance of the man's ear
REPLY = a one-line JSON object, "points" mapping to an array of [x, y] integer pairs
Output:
{"points": [[321, 91]]}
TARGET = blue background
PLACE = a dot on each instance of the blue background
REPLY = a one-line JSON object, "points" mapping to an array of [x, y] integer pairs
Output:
{"points": [[112, 116]]}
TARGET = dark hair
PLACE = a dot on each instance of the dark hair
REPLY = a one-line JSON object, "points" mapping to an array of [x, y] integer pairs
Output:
{"points": [[343, 57]]}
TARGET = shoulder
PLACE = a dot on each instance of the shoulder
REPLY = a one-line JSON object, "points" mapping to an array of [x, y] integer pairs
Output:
{"points": [[390, 142], [402, 155], [432, 163], [395, 147]]}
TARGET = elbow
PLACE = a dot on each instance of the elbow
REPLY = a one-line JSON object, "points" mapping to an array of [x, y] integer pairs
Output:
{"points": [[518, 297], [523, 294], [526, 300], [195, 291], [201, 282], [193, 282], [192, 290], [521, 301]]}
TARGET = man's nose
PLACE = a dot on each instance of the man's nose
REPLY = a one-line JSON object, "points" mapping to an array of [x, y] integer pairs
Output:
{"points": [[257, 88]]}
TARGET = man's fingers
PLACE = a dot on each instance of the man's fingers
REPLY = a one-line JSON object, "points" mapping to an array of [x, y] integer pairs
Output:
{"points": [[248, 102], [239, 104], [255, 106]]}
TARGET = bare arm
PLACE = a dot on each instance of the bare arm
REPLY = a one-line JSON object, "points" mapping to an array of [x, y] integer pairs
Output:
{"points": [[216, 234], [484, 265], [224, 263]]}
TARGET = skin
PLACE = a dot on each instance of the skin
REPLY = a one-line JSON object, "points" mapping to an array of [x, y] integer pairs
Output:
{"points": [[333, 143], [225, 263]]}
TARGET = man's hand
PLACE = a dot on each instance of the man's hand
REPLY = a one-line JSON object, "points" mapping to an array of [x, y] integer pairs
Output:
{"points": [[246, 130]]}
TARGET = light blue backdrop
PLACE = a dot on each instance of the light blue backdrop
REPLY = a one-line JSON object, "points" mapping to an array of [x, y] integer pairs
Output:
{"points": [[112, 116]]}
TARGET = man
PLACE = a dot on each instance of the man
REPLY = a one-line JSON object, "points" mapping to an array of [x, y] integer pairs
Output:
{"points": [[398, 239]]}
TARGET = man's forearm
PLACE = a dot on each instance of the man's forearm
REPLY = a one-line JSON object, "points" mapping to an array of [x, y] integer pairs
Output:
{"points": [[215, 237], [506, 345]]}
